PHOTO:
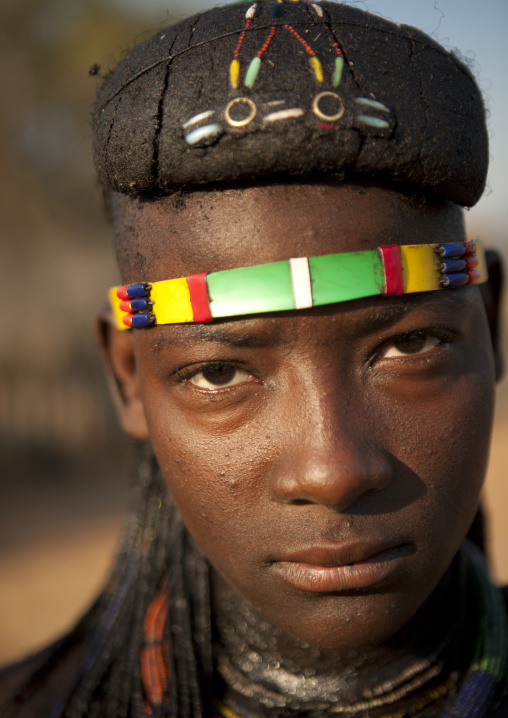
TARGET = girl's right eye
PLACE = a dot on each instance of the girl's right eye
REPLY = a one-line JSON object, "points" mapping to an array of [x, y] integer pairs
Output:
{"points": [[217, 376]]}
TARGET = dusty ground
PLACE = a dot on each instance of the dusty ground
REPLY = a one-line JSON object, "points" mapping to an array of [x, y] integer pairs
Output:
{"points": [[54, 562]]}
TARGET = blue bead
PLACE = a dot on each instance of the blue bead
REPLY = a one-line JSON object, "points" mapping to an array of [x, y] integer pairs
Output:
{"points": [[451, 250], [146, 319], [453, 265], [141, 305], [138, 290], [277, 10], [454, 280]]}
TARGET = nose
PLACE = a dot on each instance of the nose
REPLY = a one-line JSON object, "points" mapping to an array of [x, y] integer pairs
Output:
{"points": [[330, 461]]}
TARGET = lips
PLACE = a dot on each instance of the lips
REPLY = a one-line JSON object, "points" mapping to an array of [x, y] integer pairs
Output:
{"points": [[341, 568]]}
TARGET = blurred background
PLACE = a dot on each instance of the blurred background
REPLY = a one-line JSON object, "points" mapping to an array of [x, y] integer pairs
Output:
{"points": [[63, 462]]}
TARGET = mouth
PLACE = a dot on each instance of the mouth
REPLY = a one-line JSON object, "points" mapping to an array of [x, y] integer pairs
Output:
{"points": [[356, 566]]}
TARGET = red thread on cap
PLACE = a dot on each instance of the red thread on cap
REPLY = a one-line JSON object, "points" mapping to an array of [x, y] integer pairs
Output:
{"points": [[474, 276], [393, 270], [470, 246], [472, 262], [199, 297], [327, 127], [127, 320]]}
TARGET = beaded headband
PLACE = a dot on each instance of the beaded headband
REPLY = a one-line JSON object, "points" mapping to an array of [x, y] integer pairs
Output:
{"points": [[299, 284]]}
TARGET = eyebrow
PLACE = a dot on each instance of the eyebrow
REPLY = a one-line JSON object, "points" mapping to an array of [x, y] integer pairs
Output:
{"points": [[242, 333], [396, 309], [244, 336]]}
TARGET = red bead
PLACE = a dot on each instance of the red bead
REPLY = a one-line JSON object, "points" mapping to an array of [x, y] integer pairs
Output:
{"points": [[127, 321], [126, 307], [121, 293]]}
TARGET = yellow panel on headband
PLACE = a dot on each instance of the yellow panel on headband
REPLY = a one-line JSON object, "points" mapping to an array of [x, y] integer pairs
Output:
{"points": [[482, 262], [420, 267], [114, 303], [172, 302]]}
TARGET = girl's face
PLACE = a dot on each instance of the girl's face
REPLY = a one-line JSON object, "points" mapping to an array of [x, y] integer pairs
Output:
{"points": [[329, 461]]}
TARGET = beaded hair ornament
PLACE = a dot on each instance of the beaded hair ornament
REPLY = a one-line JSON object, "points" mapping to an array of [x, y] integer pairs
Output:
{"points": [[290, 87], [299, 283], [327, 107]]}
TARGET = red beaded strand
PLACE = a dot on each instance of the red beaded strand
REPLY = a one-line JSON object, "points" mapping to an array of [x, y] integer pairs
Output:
{"points": [[242, 38], [299, 37], [267, 42]]}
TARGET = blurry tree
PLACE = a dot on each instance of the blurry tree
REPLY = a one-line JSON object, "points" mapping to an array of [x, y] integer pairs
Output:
{"points": [[55, 255]]}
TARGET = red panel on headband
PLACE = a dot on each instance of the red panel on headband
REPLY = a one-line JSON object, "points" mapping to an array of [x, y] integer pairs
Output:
{"points": [[199, 297], [393, 270]]}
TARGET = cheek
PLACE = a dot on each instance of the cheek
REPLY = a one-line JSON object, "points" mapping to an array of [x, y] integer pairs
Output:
{"points": [[217, 479], [441, 433]]}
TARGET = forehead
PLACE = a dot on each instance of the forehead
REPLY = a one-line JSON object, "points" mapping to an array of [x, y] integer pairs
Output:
{"points": [[205, 231]]}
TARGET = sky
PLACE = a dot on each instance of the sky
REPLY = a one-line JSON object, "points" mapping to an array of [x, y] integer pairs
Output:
{"points": [[478, 30]]}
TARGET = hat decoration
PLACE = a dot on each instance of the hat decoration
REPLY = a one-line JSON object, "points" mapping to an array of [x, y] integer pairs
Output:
{"points": [[328, 108], [292, 88]]}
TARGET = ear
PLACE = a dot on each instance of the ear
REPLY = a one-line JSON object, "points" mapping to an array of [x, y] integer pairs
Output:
{"points": [[492, 294], [119, 359]]}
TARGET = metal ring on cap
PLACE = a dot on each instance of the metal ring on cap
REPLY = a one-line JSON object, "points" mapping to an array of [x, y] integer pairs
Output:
{"points": [[247, 120], [320, 114]]}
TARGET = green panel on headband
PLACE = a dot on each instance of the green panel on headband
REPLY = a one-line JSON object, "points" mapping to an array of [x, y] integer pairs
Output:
{"points": [[340, 277], [251, 290]]}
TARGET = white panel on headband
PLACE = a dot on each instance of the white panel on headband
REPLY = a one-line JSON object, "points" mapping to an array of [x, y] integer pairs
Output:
{"points": [[300, 276]]}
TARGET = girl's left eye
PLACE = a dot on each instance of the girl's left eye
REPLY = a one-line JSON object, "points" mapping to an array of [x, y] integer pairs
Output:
{"points": [[409, 345], [218, 376]]}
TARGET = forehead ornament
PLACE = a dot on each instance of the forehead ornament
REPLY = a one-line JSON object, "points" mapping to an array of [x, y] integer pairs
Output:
{"points": [[299, 283]]}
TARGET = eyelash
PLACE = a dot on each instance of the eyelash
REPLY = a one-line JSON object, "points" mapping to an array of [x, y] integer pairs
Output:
{"points": [[443, 337], [187, 373]]}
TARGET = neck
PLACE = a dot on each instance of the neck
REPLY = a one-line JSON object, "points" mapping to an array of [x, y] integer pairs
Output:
{"points": [[261, 665]]}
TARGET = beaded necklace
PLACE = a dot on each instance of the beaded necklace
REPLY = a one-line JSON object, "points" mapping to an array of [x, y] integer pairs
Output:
{"points": [[428, 699], [479, 694]]}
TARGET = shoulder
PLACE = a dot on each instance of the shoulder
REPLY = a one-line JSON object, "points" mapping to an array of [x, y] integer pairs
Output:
{"points": [[32, 687]]}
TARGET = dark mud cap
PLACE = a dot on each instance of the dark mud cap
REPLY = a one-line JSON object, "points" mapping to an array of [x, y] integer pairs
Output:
{"points": [[291, 88]]}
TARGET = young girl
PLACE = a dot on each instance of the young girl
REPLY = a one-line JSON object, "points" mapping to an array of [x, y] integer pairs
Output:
{"points": [[301, 351]]}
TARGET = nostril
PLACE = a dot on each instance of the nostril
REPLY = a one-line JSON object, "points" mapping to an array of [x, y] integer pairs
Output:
{"points": [[335, 479]]}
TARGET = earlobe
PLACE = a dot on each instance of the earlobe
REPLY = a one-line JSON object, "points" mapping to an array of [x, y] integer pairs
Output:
{"points": [[492, 294], [118, 355]]}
